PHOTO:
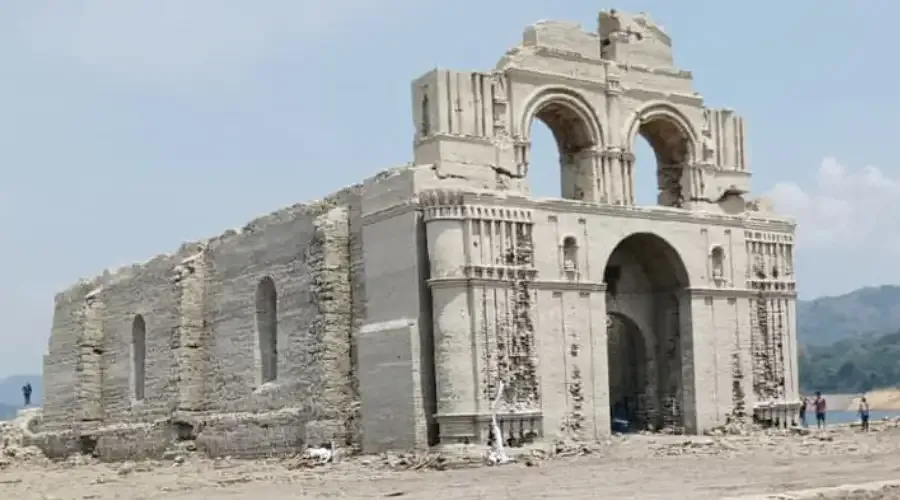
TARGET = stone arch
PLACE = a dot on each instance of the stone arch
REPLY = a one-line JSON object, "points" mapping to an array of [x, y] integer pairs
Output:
{"points": [[645, 277], [576, 130], [138, 357], [267, 329], [673, 140]]}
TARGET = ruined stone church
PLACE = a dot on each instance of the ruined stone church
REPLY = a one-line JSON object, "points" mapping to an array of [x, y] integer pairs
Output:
{"points": [[390, 314]]}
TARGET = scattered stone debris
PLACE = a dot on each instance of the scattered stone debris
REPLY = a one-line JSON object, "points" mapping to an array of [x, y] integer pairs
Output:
{"points": [[730, 440], [12, 441]]}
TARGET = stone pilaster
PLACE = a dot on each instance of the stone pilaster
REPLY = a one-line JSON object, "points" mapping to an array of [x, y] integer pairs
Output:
{"points": [[192, 348], [90, 347]]}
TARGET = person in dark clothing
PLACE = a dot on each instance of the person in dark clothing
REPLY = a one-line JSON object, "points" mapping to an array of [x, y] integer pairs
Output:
{"points": [[821, 408], [26, 392], [804, 403], [864, 413]]}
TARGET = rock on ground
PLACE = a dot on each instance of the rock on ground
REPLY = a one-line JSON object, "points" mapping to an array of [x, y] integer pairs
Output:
{"points": [[729, 462]]}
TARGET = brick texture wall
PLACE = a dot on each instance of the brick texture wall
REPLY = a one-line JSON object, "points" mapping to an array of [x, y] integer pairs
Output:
{"points": [[202, 343]]}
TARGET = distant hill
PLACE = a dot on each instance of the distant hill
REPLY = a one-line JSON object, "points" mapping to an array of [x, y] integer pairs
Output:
{"points": [[871, 310], [7, 412], [851, 366]]}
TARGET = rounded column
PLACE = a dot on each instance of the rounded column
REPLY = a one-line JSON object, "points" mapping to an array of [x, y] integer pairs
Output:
{"points": [[444, 216]]}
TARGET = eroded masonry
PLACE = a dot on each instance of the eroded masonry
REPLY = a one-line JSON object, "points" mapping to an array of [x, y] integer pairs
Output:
{"points": [[391, 314]]}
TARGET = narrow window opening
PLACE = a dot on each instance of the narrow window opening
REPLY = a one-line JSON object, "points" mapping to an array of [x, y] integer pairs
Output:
{"points": [[570, 257], [717, 256], [425, 126], [267, 329], [138, 356]]}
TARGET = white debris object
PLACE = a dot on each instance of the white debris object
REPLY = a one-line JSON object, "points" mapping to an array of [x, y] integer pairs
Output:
{"points": [[497, 455]]}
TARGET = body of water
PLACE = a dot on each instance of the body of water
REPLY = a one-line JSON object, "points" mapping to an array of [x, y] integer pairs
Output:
{"points": [[848, 417]]}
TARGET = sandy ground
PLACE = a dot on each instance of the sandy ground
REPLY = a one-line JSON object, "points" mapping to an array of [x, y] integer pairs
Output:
{"points": [[639, 466]]}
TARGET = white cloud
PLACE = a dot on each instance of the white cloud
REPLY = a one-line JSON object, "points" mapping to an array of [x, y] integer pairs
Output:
{"points": [[177, 41], [844, 209]]}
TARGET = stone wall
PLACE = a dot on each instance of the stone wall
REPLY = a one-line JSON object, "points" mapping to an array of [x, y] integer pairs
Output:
{"points": [[202, 376]]}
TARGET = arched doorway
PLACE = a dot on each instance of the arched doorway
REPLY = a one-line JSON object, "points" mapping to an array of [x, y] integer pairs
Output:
{"points": [[645, 278], [561, 129], [628, 374]]}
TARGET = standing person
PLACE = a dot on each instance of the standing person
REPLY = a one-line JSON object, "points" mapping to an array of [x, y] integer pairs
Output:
{"points": [[864, 413], [26, 393], [804, 404], [821, 408]]}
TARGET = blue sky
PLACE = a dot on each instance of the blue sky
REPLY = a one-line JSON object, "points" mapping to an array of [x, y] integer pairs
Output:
{"points": [[129, 127]]}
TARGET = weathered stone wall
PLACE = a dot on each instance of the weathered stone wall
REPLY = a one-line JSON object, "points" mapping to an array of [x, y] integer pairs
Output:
{"points": [[396, 344], [61, 362], [145, 290], [203, 376], [305, 252]]}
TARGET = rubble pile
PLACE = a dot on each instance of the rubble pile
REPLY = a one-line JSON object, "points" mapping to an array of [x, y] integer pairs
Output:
{"points": [[12, 440]]}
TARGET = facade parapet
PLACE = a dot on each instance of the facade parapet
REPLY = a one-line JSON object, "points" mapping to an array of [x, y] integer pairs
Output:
{"points": [[443, 204]]}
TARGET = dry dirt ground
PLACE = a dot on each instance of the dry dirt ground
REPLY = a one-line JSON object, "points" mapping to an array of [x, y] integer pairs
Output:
{"points": [[637, 466]]}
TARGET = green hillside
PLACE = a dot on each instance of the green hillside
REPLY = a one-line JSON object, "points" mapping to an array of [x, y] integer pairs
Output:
{"points": [[871, 310]]}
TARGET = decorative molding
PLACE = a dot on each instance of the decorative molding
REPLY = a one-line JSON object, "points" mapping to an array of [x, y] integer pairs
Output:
{"points": [[738, 293], [482, 417], [563, 285], [509, 279], [489, 201]]}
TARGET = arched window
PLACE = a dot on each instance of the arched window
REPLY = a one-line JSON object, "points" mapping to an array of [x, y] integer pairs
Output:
{"points": [[662, 151], [560, 135], [138, 357], [267, 329]]}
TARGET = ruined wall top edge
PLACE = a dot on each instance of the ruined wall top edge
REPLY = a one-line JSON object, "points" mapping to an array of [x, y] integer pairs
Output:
{"points": [[570, 40], [163, 262]]}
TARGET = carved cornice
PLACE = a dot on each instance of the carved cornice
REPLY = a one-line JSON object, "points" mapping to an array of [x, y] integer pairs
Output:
{"points": [[564, 285], [504, 278], [772, 285], [486, 201], [738, 293], [483, 417], [450, 205], [441, 198]]}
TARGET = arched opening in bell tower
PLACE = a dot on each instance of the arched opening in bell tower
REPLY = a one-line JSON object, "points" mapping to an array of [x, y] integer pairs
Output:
{"points": [[661, 146], [561, 131], [645, 278]]}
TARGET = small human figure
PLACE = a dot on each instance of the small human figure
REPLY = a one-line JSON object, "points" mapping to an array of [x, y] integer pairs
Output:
{"points": [[26, 393], [864, 413], [804, 404], [821, 407]]}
